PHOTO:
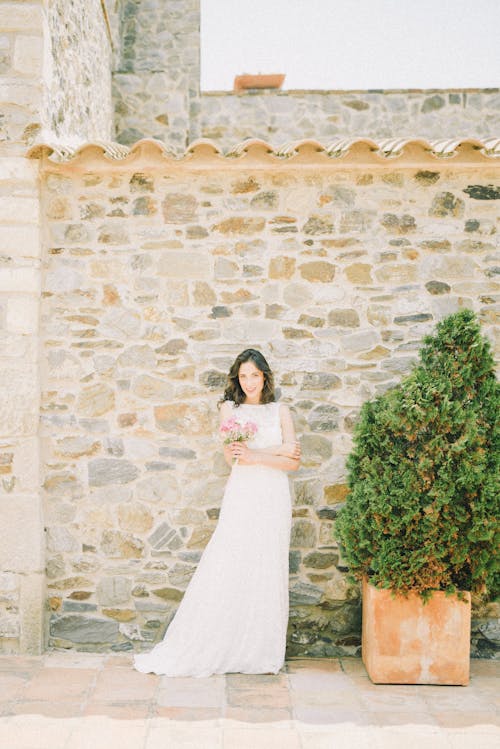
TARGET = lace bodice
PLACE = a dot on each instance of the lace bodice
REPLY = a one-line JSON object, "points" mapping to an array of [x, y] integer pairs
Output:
{"points": [[267, 418]]}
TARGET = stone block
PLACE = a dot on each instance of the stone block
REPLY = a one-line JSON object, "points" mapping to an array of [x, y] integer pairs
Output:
{"points": [[398, 224], [121, 545], [360, 341], [181, 574], [19, 465], [20, 280], [32, 613], [22, 314], [225, 268], [297, 294], [344, 318], [303, 534], [134, 517], [379, 315], [120, 323], [22, 171], [114, 590], [21, 17], [397, 273], [140, 357], [318, 225], [448, 267], [179, 208], [15, 207], [306, 491], [109, 233], [337, 588], [323, 418], [9, 628], [447, 204], [336, 493], [191, 265], [169, 594], [240, 225], [22, 548], [359, 273], [414, 318], [294, 558], [267, 200], [20, 241], [9, 583], [61, 280], [152, 388], [104, 471], [164, 537], [23, 93], [281, 267], [96, 400], [76, 447], [305, 594], [28, 55], [203, 294], [315, 448], [357, 221], [320, 560], [59, 539], [317, 271], [83, 629]]}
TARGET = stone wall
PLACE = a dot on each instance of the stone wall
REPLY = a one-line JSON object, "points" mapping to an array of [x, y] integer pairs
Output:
{"points": [[21, 83], [156, 90], [21, 549], [156, 82], [157, 273], [78, 105], [54, 59], [286, 116], [22, 564]]}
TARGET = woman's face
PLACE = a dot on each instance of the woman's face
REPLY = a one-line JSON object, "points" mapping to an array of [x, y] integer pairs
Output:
{"points": [[251, 381]]}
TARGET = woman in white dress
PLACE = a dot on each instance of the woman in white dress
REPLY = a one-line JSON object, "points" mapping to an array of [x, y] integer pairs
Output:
{"points": [[234, 614]]}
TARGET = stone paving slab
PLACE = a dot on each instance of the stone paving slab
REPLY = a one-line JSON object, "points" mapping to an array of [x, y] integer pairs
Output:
{"points": [[88, 701]]}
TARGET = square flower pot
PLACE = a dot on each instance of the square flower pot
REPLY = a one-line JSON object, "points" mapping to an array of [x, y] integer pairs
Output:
{"points": [[407, 641], [258, 81]]}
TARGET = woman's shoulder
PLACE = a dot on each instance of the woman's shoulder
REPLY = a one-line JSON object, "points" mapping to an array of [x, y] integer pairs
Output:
{"points": [[284, 410], [226, 408]]}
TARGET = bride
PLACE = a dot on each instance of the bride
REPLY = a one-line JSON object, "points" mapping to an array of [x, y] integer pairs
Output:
{"points": [[234, 614]]}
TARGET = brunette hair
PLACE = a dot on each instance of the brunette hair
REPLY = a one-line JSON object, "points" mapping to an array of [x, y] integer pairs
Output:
{"points": [[233, 391]]}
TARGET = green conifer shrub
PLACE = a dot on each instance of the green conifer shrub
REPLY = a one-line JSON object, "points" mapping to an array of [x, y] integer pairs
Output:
{"points": [[423, 508]]}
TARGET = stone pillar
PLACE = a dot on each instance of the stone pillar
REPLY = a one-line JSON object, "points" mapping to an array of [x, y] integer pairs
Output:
{"points": [[156, 83], [22, 579]]}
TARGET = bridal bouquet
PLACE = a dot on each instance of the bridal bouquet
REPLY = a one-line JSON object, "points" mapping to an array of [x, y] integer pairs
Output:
{"points": [[233, 431]]}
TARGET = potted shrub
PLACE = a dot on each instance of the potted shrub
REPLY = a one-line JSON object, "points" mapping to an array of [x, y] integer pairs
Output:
{"points": [[420, 524]]}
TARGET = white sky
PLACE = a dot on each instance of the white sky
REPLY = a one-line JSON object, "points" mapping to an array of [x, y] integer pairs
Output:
{"points": [[350, 44]]}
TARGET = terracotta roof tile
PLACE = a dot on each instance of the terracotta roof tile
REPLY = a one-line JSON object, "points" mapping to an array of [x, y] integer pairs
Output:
{"points": [[256, 151]]}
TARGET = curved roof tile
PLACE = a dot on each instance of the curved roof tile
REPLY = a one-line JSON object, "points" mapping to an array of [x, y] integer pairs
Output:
{"points": [[304, 151]]}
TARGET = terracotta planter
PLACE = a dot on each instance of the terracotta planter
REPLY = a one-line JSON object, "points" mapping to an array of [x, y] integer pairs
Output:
{"points": [[270, 80], [408, 642]]}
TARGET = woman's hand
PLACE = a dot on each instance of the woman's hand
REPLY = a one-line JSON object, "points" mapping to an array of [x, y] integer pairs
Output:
{"points": [[290, 450], [242, 453]]}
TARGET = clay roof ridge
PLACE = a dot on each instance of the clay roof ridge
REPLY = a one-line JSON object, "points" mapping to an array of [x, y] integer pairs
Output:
{"points": [[257, 149]]}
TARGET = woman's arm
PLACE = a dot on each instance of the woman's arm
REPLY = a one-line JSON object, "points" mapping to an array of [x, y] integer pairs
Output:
{"points": [[286, 449], [226, 413], [287, 455]]}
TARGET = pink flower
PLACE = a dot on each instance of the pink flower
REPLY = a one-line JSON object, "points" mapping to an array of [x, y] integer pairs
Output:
{"points": [[233, 431]]}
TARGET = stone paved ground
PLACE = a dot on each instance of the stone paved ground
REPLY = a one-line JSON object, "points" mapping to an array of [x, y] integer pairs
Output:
{"points": [[87, 701]]}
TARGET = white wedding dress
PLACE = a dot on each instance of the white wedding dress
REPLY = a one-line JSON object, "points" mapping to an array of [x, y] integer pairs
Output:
{"points": [[234, 614]]}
